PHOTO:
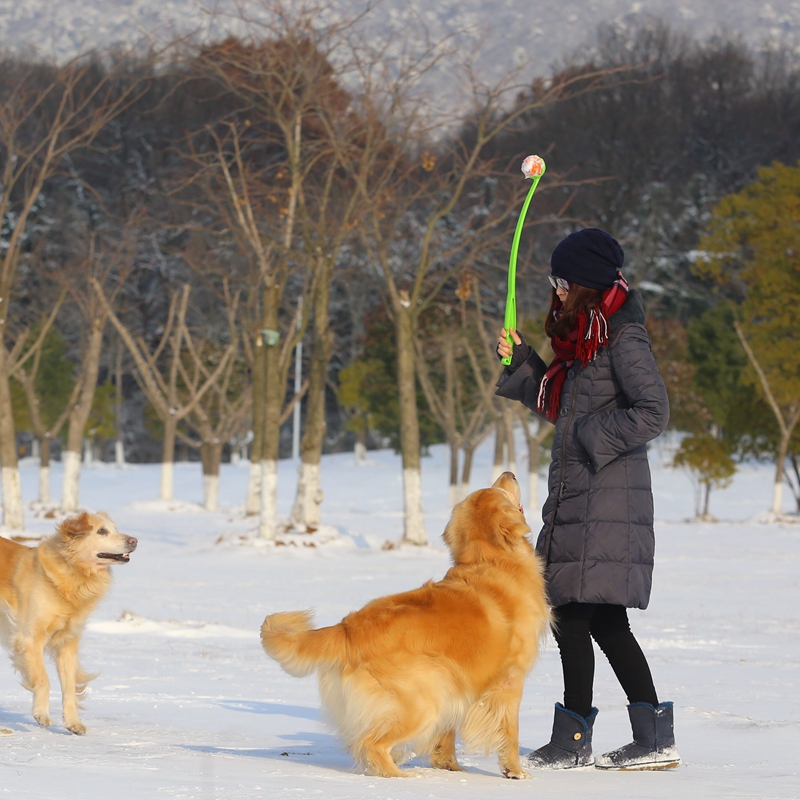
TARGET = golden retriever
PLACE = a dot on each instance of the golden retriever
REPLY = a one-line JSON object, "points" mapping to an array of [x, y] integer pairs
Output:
{"points": [[411, 670], [46, 594]]}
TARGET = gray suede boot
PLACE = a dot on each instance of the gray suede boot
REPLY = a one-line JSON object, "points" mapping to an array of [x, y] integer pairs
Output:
{"points": [[653, 745], [570, 745]]}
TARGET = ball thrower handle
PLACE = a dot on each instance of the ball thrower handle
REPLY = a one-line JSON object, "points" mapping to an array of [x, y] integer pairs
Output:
{"points": [[511, 298]]}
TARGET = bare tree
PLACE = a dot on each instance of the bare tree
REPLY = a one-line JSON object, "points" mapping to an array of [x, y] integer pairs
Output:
{"points": [[109, 271], [173, 391], [44, 430], [285, 80], [45, 114], [786, 407], [221, 412]]}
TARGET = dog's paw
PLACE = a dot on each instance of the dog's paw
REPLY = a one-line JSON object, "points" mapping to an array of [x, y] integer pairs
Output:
{"points": [[414, 772], [515, 774], [449, 764], [43, 718], [76, 727]]}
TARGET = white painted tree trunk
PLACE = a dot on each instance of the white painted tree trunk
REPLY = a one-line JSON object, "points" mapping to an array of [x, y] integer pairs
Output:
{"points": [[13, 516], [306, 514], [360, 451], [72, 476], [253, 501], [167, 480], [463, 491], [296, 518], [88, 452], [777, 497], [44, 484], [533, 489], [414, 532], [454, 495], [269, 500], [119, 452], [211, 492], [511, 450]]}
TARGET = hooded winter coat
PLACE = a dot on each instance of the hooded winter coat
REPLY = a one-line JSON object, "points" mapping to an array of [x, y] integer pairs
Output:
{"points": [[597, 538]]}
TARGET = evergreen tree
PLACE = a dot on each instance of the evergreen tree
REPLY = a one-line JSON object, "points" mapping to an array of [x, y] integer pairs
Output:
{"points": [[753, 250]]}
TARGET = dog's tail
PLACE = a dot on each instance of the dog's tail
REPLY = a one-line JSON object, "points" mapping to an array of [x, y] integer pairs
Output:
{"points": [[289, 638]]}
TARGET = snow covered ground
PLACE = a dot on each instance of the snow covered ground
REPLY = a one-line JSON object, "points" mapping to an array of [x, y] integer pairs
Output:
{"points": [[188, 706]]}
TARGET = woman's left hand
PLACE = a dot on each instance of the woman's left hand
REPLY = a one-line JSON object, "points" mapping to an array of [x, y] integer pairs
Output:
{"points": [[520, 352]]}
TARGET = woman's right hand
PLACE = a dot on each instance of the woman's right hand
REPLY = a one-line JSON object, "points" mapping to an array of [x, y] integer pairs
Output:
{"points": [[520, 352]]}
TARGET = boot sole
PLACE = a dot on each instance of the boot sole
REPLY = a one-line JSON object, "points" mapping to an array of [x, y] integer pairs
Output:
{"points": [[558, 769], [641, 767]]}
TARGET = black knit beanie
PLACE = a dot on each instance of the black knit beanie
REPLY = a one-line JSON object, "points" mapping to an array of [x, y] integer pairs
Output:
{"points": [[590, 257]]}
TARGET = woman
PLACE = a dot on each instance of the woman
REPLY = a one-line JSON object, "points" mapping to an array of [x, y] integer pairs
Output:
{"points": [[607, 400]]}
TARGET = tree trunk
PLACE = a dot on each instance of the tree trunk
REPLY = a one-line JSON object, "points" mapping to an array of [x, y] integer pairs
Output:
{"points": [[780, 463], [498, 464], [211, 456], [119, 445], [44, 470], [253, 502], [414, 527], [13, 516], [454, 494], [360, 449], [168, 459], [79, 416], [466, 470], [706, 489], [449, 407], [533, 472], [306, 511], [273, 399], [796, 468], [88, 452], [508, 421], [71, 480]]}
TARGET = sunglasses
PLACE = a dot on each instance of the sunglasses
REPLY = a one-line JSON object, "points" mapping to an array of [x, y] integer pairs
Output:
{"points": [[558, 283]]}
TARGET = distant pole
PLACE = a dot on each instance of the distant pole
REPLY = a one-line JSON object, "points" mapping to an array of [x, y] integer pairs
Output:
{"points": [[298, 368]]}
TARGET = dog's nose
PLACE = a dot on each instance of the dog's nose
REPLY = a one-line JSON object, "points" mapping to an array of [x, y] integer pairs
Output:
{"points": [[132, 542]]}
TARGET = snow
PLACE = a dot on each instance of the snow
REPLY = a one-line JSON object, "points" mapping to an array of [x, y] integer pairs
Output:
{"points": [[187, 705]]}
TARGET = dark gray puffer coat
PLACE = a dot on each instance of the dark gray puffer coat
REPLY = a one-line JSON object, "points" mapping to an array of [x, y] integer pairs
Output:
{"points": [[598, 538]]}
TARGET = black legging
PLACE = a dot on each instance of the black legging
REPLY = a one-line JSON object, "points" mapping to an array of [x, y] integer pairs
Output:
{"points": [[576, 624]]}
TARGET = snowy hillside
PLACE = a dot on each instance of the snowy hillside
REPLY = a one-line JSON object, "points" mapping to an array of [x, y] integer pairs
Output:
{"points": [[516, 29], [188, 706]]}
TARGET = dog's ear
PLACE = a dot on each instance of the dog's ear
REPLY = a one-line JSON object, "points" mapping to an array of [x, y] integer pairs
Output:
{"points": [[75, 527]]}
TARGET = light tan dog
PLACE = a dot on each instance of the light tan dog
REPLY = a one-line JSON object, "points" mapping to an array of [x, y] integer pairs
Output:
{"points": [[46, 594], [411, 670]]}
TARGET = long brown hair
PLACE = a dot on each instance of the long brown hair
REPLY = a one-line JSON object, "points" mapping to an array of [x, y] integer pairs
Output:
{"points": [[579, 298]]}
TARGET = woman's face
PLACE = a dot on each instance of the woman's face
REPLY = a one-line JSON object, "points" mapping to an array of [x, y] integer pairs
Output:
{"points": [[560, 285]]}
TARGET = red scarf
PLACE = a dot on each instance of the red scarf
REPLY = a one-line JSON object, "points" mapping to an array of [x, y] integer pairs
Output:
{"points": [[584, 340]]}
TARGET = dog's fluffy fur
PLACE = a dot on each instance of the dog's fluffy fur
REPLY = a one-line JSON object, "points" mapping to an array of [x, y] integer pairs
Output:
{"points": [[411, 670], [46, 594]]}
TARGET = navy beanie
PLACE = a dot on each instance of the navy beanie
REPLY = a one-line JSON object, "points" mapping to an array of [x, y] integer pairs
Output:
{"points": [[590, 257]]}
